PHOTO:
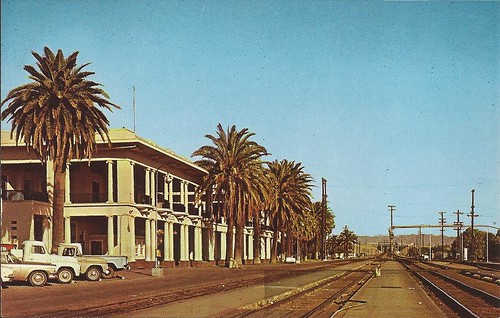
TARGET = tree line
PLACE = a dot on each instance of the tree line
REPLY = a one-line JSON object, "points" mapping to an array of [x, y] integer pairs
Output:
{"points": [[58, 114]]}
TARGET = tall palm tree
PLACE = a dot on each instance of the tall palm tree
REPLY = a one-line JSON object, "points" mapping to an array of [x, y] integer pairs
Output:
{"points": [[291, 194], [56, 116], [231, 163]]}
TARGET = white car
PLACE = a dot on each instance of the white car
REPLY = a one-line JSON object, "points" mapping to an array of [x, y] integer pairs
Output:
{"points": [[7, 274]]}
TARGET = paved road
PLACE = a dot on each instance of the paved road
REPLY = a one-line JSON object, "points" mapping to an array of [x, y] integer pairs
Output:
{"points": [[136, 288]]}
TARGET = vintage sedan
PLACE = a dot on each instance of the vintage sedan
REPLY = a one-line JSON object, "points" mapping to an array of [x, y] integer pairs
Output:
{"points": [[6, 274], [37, 274]]}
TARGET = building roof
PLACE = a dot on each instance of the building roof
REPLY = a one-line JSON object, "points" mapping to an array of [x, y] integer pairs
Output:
{"points": [[123, 138]]}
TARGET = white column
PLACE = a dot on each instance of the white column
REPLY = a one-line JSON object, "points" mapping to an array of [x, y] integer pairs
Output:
{"points": [[147, 240], [67, 186], [250, 246], [171, 240], [110, 181], [171, 195], [165, 188], [154, 195], [153, 239], [111, 234], [223, 245], [147, 185], [132, 183], [166, 239], [132, 238], [186, 241], [186, 197], [67, 230], [198, 244]]}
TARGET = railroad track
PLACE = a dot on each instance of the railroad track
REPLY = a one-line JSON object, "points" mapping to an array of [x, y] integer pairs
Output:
{"points": [[463, 299], [170, 296], [322, 299]]}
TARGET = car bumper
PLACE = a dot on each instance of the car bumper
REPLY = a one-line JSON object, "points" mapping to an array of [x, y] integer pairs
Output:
{"points": [[8, 278]]}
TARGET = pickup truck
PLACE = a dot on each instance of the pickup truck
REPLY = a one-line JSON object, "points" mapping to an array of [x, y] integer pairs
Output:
{"points": [[92, 267], [36, 252], [115, 263]]}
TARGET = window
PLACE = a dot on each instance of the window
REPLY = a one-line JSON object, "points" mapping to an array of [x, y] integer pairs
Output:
{"points": [[38, 250], [68, 252]]}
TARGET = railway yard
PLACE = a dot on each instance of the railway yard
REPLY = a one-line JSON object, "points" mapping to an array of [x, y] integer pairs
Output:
{"points": [[375, 287]]}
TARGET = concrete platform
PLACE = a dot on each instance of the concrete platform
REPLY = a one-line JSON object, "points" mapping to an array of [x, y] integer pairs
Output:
{"points": [[394, 294]]}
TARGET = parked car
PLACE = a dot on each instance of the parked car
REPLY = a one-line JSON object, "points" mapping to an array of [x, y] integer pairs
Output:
{"points": [[6, 274], [36, 252], [114, 263], [91, 267], [37, 274]]}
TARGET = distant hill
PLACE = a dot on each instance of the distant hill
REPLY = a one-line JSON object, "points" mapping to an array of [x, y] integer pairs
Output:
{"points": [[405, 239]]}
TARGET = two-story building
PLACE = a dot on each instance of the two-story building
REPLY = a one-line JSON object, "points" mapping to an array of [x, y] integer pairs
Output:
{"points": [[133, 198]]}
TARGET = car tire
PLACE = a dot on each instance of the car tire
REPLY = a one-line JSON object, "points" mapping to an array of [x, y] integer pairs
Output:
{"points": [[65, 275], [38, 278], [111, 272], [93, 273]]}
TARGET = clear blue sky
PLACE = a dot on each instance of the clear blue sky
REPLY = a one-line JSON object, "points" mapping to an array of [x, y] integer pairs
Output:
{"points": [[391, 102]]}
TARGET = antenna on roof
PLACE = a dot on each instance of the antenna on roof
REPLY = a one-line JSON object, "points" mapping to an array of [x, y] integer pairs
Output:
{"points": [[133, 103]]}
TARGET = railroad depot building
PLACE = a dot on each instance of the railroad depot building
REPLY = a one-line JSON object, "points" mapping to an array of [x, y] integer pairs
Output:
{"points": [[133, 198]]}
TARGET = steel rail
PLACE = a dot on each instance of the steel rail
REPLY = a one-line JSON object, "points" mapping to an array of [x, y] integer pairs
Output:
{"points": [[328, 301], [492, 299], [447, 298]]}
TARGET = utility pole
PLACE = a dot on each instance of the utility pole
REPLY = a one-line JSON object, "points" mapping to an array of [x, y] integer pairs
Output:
{"points": [[473, 239], [323, 217], [458, 227], [391, 230], [442, 221]]}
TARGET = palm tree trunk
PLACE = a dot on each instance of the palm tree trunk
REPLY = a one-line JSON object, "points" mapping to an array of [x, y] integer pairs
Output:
{"points": [[229, 242], [58, 206], [274, 250], [256, 239], [238, 247]]}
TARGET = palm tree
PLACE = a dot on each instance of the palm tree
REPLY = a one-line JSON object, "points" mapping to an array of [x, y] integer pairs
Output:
{"points": [[231, 163], [347, 238], [305, 229], [56, 116], [291, 194], [317, 210]]}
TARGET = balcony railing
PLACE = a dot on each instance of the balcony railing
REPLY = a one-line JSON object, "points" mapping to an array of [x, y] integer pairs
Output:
{"points": [[18, 195], [88, 197]]}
